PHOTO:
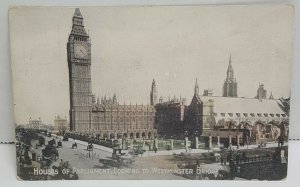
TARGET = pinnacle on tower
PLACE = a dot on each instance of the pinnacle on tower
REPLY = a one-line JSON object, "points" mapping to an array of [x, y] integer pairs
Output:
{"points": [[261, 92], [78, 27], [271, 96], [230, 72], [153, 82], [153, 93], [77, 13], [230, 84], [114, 98], [196, 89]]}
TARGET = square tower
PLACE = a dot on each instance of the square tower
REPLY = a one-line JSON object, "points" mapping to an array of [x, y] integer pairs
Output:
{"points": [[79, 64]]}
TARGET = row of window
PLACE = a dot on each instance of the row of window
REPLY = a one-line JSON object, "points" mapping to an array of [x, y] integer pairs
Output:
{"points": [[79, 38], [127, 113], [251, 115], [115, 127], [121, 119]]}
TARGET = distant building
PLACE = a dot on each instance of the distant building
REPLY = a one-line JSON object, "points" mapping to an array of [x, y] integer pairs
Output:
{"points": [[230, 84], [60, 124], [36, 124], [208, 92]]}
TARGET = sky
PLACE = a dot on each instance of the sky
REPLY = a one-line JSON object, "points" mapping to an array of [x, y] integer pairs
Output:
{"points": [[132, 45]]}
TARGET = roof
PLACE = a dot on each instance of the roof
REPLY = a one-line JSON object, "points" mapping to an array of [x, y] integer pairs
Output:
{"points": [[78, 27], [77, 13], [244, 105]]}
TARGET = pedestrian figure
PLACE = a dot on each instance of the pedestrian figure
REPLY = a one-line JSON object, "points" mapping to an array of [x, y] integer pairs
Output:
{"points": [[89, 149], [61, 163], [238, 170], [221, 160]]}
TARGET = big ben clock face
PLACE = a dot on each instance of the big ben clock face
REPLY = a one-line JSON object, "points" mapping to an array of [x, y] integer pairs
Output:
{"points": [[81, 51]]}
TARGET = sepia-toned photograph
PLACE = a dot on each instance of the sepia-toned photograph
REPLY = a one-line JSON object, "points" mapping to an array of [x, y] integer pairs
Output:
{"points": [[196, 92]]}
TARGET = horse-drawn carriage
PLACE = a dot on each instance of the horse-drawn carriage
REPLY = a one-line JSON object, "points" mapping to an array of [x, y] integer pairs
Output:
{"points": [[52, 142], [49, 154], [59, 144], [65, 138], [74, 145], [41, 140], [138, 151], [118, 159], [117, 153], [123, 161], [210, 157]]}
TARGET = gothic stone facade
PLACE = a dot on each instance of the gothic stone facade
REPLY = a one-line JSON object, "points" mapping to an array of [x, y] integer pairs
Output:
{"points": [[264, 120], [79, 62], [231, 118], [193, 122], [174, 119], [87, 116], [169, 118], [113, 120]]}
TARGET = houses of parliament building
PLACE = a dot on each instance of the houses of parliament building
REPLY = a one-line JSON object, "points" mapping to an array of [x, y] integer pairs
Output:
{"points": [[107, 117], [206, 115]]}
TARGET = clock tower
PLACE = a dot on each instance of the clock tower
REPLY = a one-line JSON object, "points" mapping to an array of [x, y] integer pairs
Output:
{"points": [[79, 64]]}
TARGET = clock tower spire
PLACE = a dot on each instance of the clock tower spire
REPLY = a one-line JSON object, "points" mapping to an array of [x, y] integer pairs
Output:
{"points": [[79, 64], [78, 27]]}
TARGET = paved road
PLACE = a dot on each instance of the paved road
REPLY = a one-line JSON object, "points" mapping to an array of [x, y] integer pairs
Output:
{"points": [[90, 168], [79, 159]]}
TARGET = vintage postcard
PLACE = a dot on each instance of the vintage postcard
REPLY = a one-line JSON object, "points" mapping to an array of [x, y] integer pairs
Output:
{"points": [[152, 92]]}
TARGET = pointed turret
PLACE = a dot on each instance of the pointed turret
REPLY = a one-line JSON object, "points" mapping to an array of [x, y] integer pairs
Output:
{"points": [[230, 84], [261, 92], [230, 72], [271, 96], [114, 99], [153, 94], [77, 13], [196, 89], [78, 27]]}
